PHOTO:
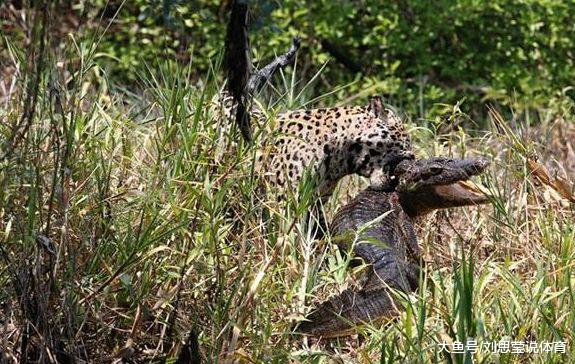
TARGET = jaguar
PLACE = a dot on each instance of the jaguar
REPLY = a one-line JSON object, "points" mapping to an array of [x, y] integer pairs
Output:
{"points": [[330, 143]]}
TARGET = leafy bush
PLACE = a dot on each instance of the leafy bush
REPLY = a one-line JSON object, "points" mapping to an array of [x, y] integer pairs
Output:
{"points": [[418, 53]]}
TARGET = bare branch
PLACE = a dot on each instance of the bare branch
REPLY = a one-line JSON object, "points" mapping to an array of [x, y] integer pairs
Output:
{"points": [[242, 81], [260, 78], [238, 63]]}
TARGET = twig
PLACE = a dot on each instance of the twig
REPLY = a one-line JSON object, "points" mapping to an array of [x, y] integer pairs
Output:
{"points": [[260, 78]]}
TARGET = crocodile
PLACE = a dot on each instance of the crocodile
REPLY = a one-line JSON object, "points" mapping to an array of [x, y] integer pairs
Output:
{"points": [[384, 217]]}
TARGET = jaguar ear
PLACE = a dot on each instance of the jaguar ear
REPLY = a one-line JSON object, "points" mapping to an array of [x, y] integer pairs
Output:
{"points": [[376, 105]]}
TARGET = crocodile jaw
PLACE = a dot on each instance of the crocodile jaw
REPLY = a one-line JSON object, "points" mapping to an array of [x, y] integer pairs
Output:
{"points": [[461, 193], [425, 200], [438, 183]]}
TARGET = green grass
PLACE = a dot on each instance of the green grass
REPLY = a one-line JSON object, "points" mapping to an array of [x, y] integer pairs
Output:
{"points": [[129, 218]]}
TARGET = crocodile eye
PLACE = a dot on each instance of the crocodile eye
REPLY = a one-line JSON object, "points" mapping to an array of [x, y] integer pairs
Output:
{"points": [[435, 170]]}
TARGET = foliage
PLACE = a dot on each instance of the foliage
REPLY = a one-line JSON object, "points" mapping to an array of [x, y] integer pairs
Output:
{"points": [[417, 53]]}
